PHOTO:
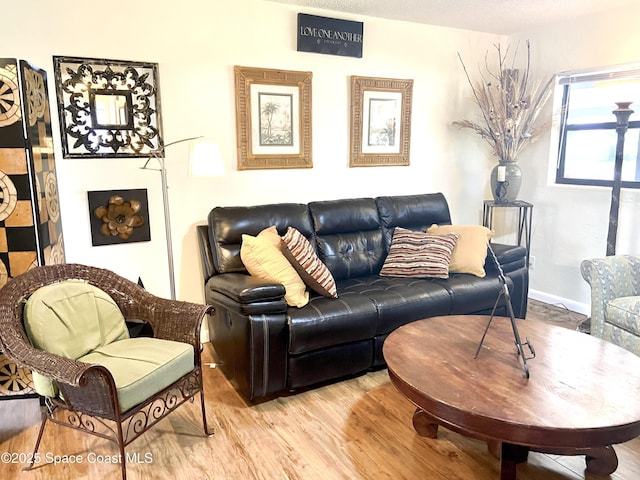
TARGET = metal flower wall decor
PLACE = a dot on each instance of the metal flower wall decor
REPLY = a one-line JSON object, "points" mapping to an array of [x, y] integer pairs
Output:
{"points": [[510, 100], [119, 216]]}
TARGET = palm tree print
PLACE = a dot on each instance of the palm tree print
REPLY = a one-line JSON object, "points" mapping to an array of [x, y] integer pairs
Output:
{"points": [[275, 119]]}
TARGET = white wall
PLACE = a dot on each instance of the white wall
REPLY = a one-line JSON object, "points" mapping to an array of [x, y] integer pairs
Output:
{"points": [[570, 223], [196, 44]]}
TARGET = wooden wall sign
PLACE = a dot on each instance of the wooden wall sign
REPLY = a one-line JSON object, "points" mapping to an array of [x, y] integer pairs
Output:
{"points": [[331, 36]]}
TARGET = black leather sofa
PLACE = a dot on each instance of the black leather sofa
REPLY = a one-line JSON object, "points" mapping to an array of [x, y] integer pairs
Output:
{"points": [[266, 348]]}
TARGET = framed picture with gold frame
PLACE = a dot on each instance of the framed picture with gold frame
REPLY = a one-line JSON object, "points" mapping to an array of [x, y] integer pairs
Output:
{"points": [[380, 121], [273, 118]]}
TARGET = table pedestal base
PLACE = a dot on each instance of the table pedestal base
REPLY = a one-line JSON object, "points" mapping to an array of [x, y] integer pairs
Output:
{"points": [[599, 461]]}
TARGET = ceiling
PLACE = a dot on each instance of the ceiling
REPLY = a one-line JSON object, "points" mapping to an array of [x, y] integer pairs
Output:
{"points": [[503, 17]]}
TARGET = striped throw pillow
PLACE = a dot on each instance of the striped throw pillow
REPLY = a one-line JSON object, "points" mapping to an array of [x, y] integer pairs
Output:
{"points": [[419, 254], [313, 272]]}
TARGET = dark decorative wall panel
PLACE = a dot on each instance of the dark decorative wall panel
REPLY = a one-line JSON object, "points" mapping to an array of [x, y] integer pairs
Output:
{"points": [[30, 224]]}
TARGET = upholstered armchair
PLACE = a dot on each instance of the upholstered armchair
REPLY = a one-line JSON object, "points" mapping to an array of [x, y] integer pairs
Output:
{"points": [[615, 299], [67, 323]]}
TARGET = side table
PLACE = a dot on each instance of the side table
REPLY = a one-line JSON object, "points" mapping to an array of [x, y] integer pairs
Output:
{"points": [[525, 214]]}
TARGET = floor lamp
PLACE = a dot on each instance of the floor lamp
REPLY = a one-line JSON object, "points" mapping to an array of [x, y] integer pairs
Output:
{"points": [[204, 160]]}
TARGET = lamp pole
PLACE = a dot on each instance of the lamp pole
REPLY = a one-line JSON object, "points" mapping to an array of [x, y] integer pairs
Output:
{"points": [[158, 154], [622, 114]]}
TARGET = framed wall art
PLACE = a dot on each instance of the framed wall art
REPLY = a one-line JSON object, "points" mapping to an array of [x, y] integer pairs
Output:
{"points": [[273, 118], [107, 108], [380, 121]]}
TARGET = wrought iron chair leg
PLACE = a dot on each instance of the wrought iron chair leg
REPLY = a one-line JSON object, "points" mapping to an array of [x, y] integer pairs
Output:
{"points": [[123, 458], [207, 432], [45, 416]]}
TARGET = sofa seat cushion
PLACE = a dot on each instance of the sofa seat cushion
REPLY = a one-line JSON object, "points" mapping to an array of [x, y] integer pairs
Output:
{"points": [[624, 312], [400, 300], [142, 367], [325, 322], [471, 294]]}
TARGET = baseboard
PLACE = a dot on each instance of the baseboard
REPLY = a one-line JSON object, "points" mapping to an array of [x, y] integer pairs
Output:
{"points": [[572, 305]]}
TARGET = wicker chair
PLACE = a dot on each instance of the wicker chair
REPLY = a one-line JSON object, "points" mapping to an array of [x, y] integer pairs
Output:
{"points": [[89, 397]]}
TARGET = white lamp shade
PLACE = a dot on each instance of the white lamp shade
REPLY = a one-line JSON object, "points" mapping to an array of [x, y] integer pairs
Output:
{"points": [[205, 159]]}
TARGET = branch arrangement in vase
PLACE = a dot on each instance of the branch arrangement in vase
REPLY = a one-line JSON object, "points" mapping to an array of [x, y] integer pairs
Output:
{"points": [[510, 101]]}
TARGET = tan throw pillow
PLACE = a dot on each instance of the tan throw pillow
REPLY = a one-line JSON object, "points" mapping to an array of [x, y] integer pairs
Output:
{"points": [[470, 252], [263, 260], [270, 234], [313, 272], [419, 254]]}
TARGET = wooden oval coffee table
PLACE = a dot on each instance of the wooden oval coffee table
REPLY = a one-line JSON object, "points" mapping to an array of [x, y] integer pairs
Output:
{"points": [[581, 398]]}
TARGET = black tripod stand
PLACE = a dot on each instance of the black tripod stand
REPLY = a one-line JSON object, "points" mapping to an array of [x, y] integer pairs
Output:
{"points": [[505, 291]]}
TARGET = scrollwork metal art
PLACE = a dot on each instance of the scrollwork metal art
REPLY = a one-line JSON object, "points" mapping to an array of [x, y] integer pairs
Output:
{"points": [[160, 407], [108, 108], [137, 422]]}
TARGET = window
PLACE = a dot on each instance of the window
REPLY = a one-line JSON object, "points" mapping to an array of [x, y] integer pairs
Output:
{"points": [[588, 137]]}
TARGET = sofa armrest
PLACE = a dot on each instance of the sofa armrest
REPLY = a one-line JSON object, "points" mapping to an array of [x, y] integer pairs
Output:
{"points": [[243, 288], [249, 332], [245, 294], [609, 277], [513, 260]]}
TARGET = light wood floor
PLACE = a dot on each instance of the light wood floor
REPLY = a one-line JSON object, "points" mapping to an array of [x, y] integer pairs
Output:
{"points": [[355, 429]]}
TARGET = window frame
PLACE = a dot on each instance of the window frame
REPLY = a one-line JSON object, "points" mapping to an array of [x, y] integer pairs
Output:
{"points": [[565, 80]]}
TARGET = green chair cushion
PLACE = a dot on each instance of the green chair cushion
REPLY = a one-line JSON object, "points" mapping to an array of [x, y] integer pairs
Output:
{"points": [[43, 385], [142, 367], [71, 319]]}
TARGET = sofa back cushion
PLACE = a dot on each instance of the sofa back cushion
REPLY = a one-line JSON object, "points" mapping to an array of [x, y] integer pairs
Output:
{"points": [[228, 224], [412, 212], [348, 236]]}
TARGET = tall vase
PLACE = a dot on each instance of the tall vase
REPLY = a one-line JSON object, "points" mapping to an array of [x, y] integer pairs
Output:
{"points": [[506, 178]]}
